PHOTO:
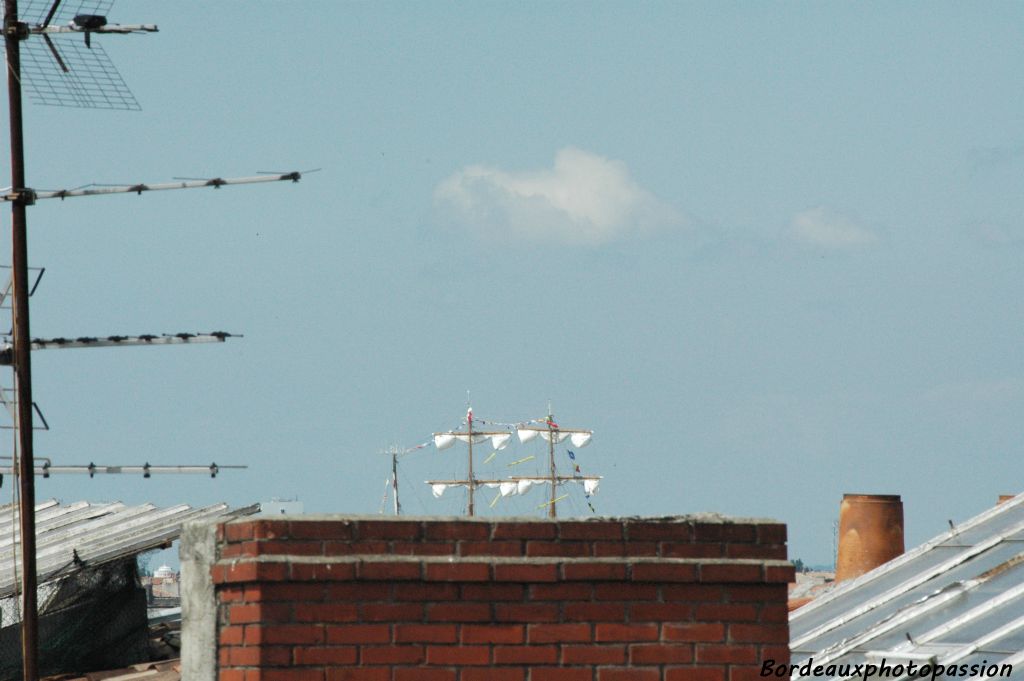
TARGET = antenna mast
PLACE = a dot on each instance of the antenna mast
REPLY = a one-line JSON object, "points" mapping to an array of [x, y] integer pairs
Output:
{"points": [[14, 33], [59, 85], [394, 451], [394, 480]]}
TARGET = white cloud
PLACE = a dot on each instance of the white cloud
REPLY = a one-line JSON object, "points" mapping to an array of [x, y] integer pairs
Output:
{"points": [[583, 199], [821, 228]]}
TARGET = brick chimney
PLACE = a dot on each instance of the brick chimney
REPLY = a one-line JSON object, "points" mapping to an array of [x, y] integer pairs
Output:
{"points": [[334, 598]]}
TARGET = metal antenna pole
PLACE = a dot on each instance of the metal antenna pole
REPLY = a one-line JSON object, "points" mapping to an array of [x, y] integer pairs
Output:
{"points": [[105, 90], [394, 478], [14, 32]]}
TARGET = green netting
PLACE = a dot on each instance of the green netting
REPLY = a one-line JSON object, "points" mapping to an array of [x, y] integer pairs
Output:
{"points": [[95, 620]]}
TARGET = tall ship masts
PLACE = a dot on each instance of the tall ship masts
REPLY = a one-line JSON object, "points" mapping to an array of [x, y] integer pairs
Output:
{"points": [[547, 428]]}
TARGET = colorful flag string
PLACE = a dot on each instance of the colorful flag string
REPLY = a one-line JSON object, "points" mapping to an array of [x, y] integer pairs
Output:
{"points": [[577, 472]]}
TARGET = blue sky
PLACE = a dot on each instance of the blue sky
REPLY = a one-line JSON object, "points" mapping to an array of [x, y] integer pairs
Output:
{"points": [[770, 253]]}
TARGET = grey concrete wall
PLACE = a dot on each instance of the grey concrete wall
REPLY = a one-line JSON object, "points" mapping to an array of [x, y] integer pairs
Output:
{"points": [[198, 605]]}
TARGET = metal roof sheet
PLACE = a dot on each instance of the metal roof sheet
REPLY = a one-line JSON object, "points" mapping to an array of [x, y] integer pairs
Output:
{"points": [[83, 533], [168, 670], [957, 599]]}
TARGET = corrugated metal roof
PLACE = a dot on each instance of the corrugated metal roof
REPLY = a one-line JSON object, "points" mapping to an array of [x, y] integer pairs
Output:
{"points": [[169, 670], [83, 533], [957, 599]]}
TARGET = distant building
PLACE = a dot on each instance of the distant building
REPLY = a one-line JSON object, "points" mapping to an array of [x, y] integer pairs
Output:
{"points": [[164, 572], [164, 583], [277, 506]]}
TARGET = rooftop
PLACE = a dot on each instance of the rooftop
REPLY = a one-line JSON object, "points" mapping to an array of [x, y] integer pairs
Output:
{"points": [[957, 599]]}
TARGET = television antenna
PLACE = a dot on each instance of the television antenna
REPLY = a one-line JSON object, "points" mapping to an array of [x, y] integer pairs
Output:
{"points": [[394, 451], [62, 65], [146, 470], [59, 71]]}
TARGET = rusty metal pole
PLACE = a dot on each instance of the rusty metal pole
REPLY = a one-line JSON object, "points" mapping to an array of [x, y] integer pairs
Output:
{"points": [[394, 479], [14, 32]]}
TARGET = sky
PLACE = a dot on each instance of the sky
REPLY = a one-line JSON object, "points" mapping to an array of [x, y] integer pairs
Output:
{"points": [[771, 253]]}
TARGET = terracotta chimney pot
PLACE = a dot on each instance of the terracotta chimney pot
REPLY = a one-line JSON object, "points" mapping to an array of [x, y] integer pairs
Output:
{"points": [[870, 533]]}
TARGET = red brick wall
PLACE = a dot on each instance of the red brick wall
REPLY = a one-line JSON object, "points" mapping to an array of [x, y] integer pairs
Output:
{"points": [[361, 599]]}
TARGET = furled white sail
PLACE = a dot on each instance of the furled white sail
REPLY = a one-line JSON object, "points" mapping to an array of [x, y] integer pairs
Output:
{"points": [[581, 439], [555, 435], [499, 442], [526, 435], [444, 440]]}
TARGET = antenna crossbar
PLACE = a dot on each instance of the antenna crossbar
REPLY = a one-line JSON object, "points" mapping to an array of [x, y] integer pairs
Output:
{"points": [[7, 349], [30, 196], [108, 28], [46, 470]]}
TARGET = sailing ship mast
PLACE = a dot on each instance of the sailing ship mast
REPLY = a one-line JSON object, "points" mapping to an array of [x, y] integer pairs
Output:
{"points": [[554, 434], [468, 437], [516, 484]]}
